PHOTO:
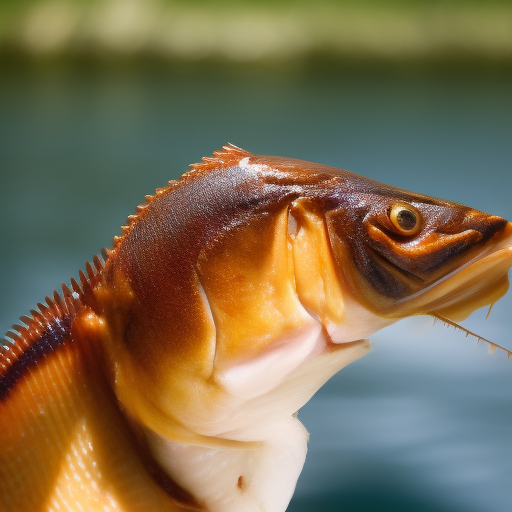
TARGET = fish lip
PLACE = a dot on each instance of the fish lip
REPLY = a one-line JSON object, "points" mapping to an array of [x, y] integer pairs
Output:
{"points": [[473, 235], [497, 257]]}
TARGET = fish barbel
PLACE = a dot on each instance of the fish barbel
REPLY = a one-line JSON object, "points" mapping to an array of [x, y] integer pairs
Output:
{"points": [[168, 377]]}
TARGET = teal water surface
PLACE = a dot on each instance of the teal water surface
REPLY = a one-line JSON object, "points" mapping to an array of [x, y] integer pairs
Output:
{"points": [[421, 424]]}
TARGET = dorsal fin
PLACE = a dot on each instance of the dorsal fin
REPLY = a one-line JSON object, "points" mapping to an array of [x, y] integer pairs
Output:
{"points": [[50, 315], [225, 157]]}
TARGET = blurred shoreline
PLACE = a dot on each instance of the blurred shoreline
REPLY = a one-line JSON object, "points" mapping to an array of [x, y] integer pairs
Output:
{"points": [[287, 33], [103, 101]]}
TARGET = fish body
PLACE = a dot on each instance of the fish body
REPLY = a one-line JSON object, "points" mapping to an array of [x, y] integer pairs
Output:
{"points": [[168, 376]]}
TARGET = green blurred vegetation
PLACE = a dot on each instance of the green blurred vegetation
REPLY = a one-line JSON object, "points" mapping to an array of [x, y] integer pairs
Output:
{"points": [[261, 30], [271, 3]]}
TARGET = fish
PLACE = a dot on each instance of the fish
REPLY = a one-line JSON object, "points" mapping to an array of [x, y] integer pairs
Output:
{"points": [[168, 376]]}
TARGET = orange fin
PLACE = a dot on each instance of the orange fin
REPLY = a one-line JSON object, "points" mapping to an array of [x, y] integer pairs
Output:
{"points": [[44, 330], [227, 156]]}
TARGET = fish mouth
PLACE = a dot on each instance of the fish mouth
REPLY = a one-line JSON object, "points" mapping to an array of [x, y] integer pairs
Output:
{"points": [[481, 281]]}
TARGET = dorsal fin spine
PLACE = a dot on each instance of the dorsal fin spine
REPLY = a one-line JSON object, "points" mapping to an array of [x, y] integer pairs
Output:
{"points": [[80, 293], [90, 272], [83, 280], [21, 336], [58, 300], [12, 335], [74, 285], [227, 156]]}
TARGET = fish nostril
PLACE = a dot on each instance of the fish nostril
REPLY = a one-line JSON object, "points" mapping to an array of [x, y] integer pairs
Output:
{"points": [[487, 225], [492, 225]]}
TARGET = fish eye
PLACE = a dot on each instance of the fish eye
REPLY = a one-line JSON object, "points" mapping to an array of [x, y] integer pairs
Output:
{"points": [[405, 218]]}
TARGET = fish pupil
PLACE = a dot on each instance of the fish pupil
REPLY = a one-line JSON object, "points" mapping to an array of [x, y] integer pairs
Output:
{"points": [[406, 219]]}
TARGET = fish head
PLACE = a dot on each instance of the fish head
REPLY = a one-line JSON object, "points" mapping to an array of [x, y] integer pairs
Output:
{"points": [[237, 292], [403, 254], [228, 281]]}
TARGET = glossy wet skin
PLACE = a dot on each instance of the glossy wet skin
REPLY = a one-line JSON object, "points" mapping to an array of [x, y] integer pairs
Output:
{"points": [[391, 244], [213, 289], [232, 296], [389, 262]]}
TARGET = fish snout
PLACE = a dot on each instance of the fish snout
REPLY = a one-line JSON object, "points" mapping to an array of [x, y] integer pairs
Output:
{"points": [[479, 282], [487, 225]]}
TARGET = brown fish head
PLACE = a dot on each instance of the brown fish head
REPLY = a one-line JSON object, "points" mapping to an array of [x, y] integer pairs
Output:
{"points": [[403, 253]]}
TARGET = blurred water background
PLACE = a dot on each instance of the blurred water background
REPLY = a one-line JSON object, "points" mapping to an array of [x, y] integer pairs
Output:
{"points": [[101, 102]]}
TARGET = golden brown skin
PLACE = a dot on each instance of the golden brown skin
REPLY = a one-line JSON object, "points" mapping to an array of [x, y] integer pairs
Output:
{"points": [[207, 275], [65, 443]]}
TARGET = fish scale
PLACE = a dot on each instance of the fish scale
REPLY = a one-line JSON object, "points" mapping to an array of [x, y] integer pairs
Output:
{"points": [[169, 375]]}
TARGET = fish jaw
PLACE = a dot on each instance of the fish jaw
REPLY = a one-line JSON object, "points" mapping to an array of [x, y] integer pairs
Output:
{"points": [[481, 281], [359, 323]]}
